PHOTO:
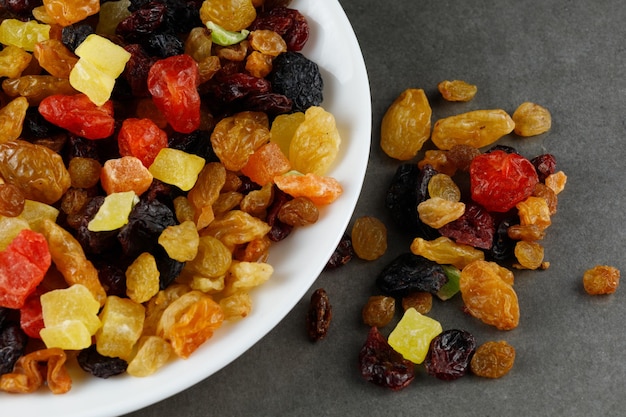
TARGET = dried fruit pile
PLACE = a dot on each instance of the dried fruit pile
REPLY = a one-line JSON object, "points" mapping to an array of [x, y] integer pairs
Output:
{"points": [[476, 210], [150, 155]]}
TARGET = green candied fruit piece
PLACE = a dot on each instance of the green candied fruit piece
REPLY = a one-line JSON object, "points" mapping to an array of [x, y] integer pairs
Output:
{"points": [[224, 37], [114, 212], [176, 167], [451, 287], [23, 34], [413, 334]]}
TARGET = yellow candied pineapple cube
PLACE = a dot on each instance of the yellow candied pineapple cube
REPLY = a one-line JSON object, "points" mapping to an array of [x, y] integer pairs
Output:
{"points": [[88, 79], [114, 211], [70, 317], [69, 335], [9, 228], [103, 54], [152, 353], [122, 324], [176, 167], [412, 335]]}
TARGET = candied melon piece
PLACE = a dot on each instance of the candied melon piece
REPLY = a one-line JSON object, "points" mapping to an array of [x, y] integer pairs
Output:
{"points": [[125, 174], [152, 353], [103, 54], [412, 335], [315, 143], [24, 35], [283, 128], [176, 167], [35, 212], [142, 278], [70, 317], [114, 212], [122, 323], [10, 227], [266, 163], [180, 241], [320, 190]]}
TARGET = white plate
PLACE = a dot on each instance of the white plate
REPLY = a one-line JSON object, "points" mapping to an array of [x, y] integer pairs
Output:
{"points": [[297, 260]]}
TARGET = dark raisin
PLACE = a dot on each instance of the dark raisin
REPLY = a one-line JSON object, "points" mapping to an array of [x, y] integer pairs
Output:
{"points": [[271, 103], [476, 227], [113, 279], [198, 142], [164, 45], [545, 165], [145, 223], [298, 78], [4, 315], [181, 16], [450, 354], [289, 23], [342, 255], [408, 188], [36, 127], [504, 148], [20, 7], [279, 230], [142, 22], [248, 185], [382, 365], [12, 346], [503, 246], [169, 269], [226, 88], [94, 242], [409, 273], [137, 69], [99, 365], [318, 316], [74, 35]]}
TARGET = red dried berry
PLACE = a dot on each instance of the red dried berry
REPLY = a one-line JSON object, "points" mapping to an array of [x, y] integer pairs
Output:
{"points": [[173, 83], [500, 180], [79, 115]]}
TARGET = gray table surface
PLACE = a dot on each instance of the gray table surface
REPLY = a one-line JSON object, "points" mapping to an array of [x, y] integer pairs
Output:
{"points": [[568, 56]]}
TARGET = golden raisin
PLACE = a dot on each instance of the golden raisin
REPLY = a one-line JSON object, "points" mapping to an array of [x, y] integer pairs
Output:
{"points": [[476, 128], [529, 255], [439, 160], [406, 125], [531, 119], [457, 90], [601, 279], [369, 238], [436, 212], [493, 359], [378, 311], [420, 301]]}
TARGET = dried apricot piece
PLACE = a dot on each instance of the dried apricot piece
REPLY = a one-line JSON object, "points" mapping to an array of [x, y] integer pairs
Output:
{"points": [[406, 125], [320, 190], [265, 163]]}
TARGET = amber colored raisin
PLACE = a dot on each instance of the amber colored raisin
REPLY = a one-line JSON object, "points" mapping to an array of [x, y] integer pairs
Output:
{"points": [[457, 90], [461, 156], [369, 238], [529, 232], [493, 359], [298, 212], [488, 297], [439, 160], [11, 200], [547, 193], [529, 255], [476, 128], [378, 311], [319, 315], [601, 279], [531, 119], [420, 301], [406, 125], [84, 172]]}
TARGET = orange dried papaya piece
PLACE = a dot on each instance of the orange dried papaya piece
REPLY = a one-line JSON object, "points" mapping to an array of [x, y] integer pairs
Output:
{"points": [[320, 190], [266, 163]]}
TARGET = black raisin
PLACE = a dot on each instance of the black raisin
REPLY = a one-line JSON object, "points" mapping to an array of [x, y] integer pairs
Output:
{"points": [[74, 35], [382, 365], [409, 273], [343, 253], [12, 346], [298, 78], [99, 365], [450, 354], [169, 269], [164, 45], [503, 246], [145, 223]]}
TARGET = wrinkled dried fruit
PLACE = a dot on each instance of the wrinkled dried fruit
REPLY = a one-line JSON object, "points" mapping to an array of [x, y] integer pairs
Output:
{"points": [[319, 315], [601, 279]]}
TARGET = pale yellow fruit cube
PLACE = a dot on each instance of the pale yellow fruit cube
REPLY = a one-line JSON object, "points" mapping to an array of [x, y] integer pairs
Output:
{"points": [[122, 324], [108, 57], [68, 335]]}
